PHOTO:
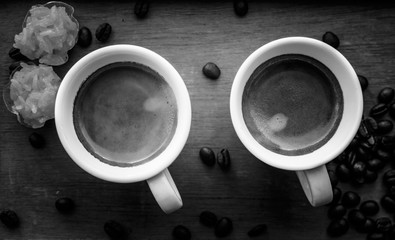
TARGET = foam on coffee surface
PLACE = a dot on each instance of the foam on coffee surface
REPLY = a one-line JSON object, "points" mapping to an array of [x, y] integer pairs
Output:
{"points": [[291, 106], [126, 114]]}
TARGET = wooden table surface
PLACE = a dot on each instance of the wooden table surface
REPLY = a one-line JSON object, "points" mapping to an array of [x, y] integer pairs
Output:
{"points": [[188, 34]]}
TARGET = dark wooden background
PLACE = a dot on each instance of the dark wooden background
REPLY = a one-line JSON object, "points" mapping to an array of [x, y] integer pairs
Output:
{"points": [[188, 34]]}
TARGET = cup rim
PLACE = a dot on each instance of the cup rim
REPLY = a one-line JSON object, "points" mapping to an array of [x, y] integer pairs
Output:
{"points": [[64, 112], [352, 95]]}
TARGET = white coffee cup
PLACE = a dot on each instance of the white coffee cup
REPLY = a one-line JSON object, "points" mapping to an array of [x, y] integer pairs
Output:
{"points": [[154, 171], [310, 167]]}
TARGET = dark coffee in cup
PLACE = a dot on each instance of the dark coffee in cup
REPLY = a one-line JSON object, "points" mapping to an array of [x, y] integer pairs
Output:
{"points": [[125, 114], [292, 104]]}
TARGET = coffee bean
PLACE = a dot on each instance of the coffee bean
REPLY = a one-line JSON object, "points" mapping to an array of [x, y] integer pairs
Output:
{"points": [[385, 126], [64, 205], [333, 178], [387, 142], [386, 95], [223, 227], [336, 211], [331, 39], [211, 70], [356, 218], [9, 218], [388, 203], [351, 158], [15, 53], [36, 140], [351, 199], [389, 178], [223, 159], [383, 155], [207, 156], [240, 7], [370, 176], [369, 207], [368, 226], [358, 170], [337, 193], [103, 32], [391, 110], [375, 236], [343, 172], [208, 219], [378, 110], [337, 227], [84, 37], [363, 153], [363, 132], [181, 232], [375, 164], [115, 230], [141, 9], [363, 81], [370, 124], [257, 230], [383, 224]]}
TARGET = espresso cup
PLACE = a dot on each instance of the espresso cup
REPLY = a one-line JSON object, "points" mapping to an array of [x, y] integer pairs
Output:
{"points": [[123, 114], [296, 104]]}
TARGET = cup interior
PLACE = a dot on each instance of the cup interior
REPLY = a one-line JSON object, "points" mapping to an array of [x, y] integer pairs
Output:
{"points": [[347, 79], [67, 93]]}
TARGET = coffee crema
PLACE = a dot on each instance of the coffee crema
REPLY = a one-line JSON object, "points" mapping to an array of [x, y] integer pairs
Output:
{"points": [[125, 114], [292, 104]]}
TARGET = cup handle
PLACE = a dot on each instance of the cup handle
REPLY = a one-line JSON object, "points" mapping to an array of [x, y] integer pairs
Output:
{"points": [[316, 185], [165, 191]]}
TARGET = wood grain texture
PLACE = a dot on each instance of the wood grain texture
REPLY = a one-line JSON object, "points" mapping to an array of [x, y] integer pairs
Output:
{"points": [[188, 34]]}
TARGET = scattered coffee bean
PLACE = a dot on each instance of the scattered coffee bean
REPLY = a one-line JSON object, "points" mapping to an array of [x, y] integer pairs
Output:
{"points": [[391, 110], [383, 224], [141, 9], [223, 159], [103, 32], [343, 172], [115, 230], [370, 124], [15, 53], [363, 81], [257, 230], [211, 70], [223, 227], [375, 164], [389, 178], [207, 156], [385, 126], [351, 199], [356, 218], [336, 211], [181, 232], [331, 39], [363, 153], [369, 207], [64, 205], [368, 226], [387, 142], [84, 37], [9, 218], [358, 169], [383, 155], [378, 110], [240, 7], [363, 131], [386, 95], [333, 178], [375, 236], [351, 159], [37, 140], [338, 227], [370, 176], [337, 194], [388, 203], [208, 219]]}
